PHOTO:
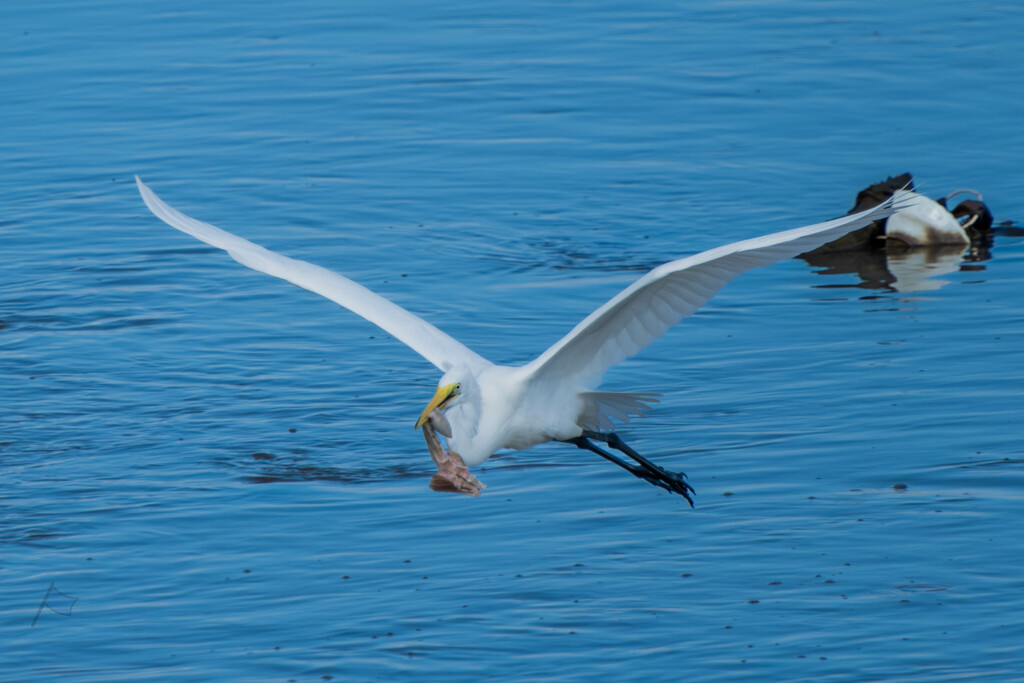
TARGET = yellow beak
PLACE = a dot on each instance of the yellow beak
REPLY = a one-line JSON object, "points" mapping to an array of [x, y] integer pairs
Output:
{"points": [[443, 395]]}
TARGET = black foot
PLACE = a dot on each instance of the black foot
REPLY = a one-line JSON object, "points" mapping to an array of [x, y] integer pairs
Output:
{"points": [[673, 482]]}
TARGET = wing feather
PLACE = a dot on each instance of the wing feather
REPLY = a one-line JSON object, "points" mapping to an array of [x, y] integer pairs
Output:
{"points": [[645, 310], [428, 341]]}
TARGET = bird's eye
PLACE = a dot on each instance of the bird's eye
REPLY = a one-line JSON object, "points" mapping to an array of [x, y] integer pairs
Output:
{"points": [[458, 388]]}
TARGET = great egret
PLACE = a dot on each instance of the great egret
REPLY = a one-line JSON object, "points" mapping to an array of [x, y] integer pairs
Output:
{"points": [[482, 407]]}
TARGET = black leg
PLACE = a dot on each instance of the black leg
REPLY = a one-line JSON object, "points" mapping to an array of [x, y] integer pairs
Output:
{"points": [[616, 442], [644, 469]]}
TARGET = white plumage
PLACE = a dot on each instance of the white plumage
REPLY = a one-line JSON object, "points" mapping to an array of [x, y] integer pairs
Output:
{"points": [[923, 222], [489, 407]]}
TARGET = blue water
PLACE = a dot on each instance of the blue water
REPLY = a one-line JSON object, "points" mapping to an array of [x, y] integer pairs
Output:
{"points": [[223, 470]]}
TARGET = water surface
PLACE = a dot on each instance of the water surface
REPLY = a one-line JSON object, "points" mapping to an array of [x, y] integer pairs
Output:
{"points": [[223, 469]]}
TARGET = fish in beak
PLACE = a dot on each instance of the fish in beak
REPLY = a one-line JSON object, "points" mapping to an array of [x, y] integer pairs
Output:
{"points": [[452, 473], [442, 397]]}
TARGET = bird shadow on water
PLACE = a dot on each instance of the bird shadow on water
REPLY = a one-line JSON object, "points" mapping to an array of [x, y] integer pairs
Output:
{"points": [[266, 468]]}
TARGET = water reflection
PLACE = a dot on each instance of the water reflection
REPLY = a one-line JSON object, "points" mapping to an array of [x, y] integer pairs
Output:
{"points": [[906, 270], [896, 268]]}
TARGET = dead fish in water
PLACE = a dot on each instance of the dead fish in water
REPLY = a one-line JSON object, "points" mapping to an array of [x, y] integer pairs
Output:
{"points": [[452, 473]]}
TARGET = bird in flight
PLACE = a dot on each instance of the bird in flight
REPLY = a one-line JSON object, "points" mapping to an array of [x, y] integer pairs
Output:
{"points": [[481, 407]]}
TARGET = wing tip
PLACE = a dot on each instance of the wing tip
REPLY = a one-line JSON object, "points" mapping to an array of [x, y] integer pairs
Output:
{"points": [[148, 196]]}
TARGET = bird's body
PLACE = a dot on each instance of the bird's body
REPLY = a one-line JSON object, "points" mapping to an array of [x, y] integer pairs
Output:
{"points": [[506, 408], [488, 407], [923, 222]]}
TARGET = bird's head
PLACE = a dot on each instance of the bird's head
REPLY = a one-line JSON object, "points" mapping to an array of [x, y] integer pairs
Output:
{"points": [[450, 391]]}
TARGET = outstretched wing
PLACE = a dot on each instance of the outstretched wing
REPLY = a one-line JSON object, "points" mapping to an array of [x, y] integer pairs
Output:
{"points": [[646, 309], [425, 339]]}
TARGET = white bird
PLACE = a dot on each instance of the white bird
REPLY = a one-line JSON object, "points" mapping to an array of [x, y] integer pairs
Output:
{"points": [[482, 407], [923, 222]]}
